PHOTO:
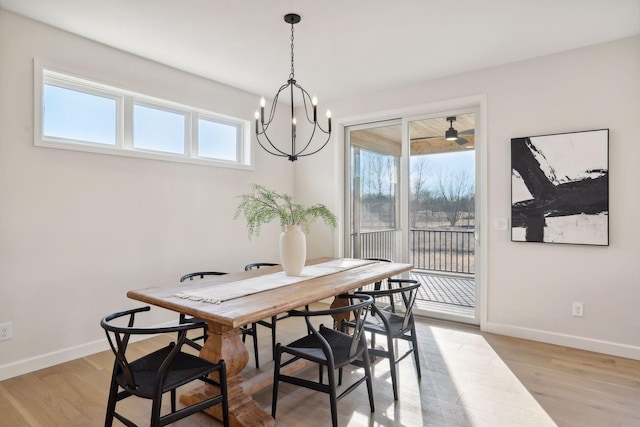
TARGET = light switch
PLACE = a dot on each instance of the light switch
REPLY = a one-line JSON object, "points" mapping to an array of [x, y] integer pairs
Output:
{"points": [[501, 224]]}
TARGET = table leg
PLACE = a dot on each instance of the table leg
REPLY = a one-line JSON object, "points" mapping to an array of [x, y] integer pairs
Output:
{"points": [[243, 410], [339, 317]]}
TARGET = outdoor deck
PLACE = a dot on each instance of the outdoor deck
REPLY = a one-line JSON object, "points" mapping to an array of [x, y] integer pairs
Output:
{"points": [[445, 292]]}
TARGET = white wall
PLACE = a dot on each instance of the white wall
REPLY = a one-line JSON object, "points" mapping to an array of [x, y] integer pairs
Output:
{"points": [[530, 287], [77, 230]]}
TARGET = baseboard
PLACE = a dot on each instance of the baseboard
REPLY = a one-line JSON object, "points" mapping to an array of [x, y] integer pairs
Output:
{"points": [[42, 361], [582, 343], [46, 360]]}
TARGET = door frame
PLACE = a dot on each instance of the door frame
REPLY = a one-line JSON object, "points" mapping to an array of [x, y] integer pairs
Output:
{"points": [[436, 109]]}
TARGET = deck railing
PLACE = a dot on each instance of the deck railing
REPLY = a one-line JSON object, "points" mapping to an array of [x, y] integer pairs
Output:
{"points": [[375, 244], [443, 250], [436, 250]]}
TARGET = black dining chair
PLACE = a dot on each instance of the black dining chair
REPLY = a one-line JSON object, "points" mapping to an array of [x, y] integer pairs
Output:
{"points": [[245, 330], [159, 372], [378, 285], [188, 319], [274, 319], [328, 348], [394, 325]]}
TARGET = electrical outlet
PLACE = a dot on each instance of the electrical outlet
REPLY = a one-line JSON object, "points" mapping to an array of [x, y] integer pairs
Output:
{"points": [[578, 309], [6, 331]]}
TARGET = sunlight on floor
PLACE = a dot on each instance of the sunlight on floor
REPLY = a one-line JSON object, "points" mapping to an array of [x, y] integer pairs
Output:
{"points": [[464, 383], [488, 392]]}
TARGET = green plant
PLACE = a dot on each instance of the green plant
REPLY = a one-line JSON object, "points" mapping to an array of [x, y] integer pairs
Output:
{"points": [[263, 205]]}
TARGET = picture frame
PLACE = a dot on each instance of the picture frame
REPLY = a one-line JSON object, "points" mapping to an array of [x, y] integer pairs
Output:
{"points": [[560, 188]]}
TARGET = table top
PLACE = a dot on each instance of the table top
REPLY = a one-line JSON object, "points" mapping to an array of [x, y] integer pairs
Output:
{"points": [[247, 309]]}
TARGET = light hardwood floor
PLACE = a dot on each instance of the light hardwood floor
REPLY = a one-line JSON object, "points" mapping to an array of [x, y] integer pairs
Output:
{"points": [[468, 379]]}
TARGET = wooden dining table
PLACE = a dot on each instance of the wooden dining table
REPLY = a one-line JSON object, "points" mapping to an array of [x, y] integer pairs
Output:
{"points": [[225, 318]]}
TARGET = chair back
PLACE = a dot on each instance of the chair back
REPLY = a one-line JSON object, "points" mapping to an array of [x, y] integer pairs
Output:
{"points": [[118, 337], [406, 290], [200, 274], [378, 259], [359, 307], [360, 311], [408, 295], [257, 265]]}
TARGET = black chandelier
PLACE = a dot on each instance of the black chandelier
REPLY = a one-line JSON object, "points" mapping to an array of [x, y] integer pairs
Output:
{"points": [[262, 125]]}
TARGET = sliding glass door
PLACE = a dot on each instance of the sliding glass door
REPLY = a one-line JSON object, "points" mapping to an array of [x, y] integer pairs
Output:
{"points": [[410, 197]]}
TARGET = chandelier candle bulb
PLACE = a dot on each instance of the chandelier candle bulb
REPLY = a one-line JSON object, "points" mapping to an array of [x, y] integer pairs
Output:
{"points": [[262, 104], [314, 101], [329, 118]]}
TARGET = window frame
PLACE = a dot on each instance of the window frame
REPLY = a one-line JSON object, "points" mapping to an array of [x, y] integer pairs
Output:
{"points": [[125, 102]]}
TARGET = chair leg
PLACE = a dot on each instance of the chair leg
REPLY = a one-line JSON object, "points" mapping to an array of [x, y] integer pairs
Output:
{"points": [[414, 342], [155, 410], [225, 395], [392, 367], [333, 398], [173, 400], [274, 319], [367, 372], [254, 326], [276, 379], [111, 404]]}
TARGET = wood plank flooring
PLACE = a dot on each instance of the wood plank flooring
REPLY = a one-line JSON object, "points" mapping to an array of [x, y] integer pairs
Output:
{"points": [[468, 379]]}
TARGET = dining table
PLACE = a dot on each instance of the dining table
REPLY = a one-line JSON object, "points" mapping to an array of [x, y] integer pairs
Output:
{"points": [[231, 301]]}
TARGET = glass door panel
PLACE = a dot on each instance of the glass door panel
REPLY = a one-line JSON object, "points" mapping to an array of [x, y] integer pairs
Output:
{"points": [[441, 209], [373, 203]]}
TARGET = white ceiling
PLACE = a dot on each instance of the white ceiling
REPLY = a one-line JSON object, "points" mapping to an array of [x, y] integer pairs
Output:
{"points": [[342, 47]]}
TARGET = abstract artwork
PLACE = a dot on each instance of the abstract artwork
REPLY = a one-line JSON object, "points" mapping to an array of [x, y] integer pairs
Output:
{"points": [[560, 188]]}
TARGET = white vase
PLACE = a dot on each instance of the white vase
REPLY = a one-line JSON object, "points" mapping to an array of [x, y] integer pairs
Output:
{"points": [[293, 250]]}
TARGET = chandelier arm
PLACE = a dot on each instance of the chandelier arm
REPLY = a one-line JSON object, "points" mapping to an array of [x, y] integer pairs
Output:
{"points": [[263, 133], [307, 111], [313, 132], [314, 152], [305, 97], [274, 105], [278, 153], [326, 132]]}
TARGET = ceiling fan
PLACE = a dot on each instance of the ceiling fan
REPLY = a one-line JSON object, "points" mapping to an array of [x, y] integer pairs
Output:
{"points": [[452, 135]]}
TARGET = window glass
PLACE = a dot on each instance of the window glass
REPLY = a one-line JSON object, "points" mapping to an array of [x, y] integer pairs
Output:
{"points": [[217, 140], [158, 130], [78, 116], [75, 113]]}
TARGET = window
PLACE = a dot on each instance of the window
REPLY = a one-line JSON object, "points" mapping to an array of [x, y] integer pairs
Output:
{"points": [[158, 129], [217, 140], [78, 114]]}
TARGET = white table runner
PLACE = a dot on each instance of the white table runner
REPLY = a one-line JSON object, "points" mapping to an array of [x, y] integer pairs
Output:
{"points": [[226, 291]]}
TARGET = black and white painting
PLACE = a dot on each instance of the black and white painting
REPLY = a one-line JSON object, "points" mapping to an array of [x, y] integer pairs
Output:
{"points": [[560, 188]]}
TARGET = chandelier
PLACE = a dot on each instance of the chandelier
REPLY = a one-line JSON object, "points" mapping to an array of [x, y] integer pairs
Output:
{"points": [[295, 92]]}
